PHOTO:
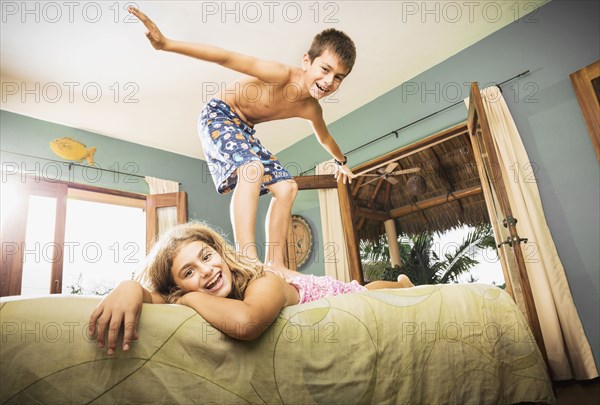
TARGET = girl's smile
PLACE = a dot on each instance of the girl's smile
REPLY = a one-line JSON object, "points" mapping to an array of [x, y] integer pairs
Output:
{"points": [[198, 267]]}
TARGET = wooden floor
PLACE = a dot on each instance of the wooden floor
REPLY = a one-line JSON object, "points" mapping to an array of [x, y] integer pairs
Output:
{"points": [[577, 392]]}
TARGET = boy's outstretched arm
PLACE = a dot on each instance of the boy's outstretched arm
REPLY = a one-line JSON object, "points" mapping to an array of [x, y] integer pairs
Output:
{"points": [[329, 144], [267, 71]]}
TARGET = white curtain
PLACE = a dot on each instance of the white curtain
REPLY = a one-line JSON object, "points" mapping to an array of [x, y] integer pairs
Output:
{"points": [[167, 216], [569, 352], [334, 245]]}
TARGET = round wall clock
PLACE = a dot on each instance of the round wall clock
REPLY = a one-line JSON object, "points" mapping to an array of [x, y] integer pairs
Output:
{"points": [[302, 239]]}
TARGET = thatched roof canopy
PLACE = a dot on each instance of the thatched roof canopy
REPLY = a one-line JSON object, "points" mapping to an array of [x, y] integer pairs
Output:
{"points": [[452, 197]]}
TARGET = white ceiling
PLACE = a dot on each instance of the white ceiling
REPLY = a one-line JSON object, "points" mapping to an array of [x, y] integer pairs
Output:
{"points": [[55, 56]]}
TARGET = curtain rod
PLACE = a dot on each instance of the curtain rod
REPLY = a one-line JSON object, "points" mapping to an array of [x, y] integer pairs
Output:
{"points": [[71, 164], [395, 132]]}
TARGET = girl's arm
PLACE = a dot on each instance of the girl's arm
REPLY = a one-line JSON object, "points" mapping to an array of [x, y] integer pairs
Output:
{"points": [[247, 319], [122, 306], [267, 71]]}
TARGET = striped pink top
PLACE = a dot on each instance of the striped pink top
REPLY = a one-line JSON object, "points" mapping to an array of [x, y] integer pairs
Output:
{"points": [[312, 288]]}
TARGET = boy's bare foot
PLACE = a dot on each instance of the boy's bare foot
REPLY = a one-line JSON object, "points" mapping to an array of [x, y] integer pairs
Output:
{"points": [[405, 281]]}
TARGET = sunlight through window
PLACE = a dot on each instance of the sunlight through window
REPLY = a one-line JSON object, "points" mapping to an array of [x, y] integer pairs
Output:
{"points": [[104, 245], [488, 270], [8, 203], [38, 254]]}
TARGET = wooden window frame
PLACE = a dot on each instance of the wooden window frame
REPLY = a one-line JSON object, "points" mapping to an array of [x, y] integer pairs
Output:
{"points": [[157, 201], [588, 100], [11, 267]]}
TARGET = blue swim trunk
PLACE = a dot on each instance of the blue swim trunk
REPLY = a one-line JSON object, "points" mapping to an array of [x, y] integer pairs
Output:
{"points": [[229, 143]]}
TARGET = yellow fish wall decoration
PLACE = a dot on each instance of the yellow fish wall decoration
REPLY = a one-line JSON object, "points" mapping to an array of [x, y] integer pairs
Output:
{"points": [[70, 149]]}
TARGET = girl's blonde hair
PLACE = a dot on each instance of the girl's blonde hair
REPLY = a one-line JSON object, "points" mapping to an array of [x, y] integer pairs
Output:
{"points": [[157, 273]]}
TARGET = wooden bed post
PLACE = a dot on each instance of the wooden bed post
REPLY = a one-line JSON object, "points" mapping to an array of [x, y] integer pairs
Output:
{"points": [[347, 213], [316, 182], [289, 253], [479, 129]]}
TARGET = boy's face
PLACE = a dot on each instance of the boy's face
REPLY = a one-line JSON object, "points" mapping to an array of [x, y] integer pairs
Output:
{"points": [[324, 75], [198, 267]]}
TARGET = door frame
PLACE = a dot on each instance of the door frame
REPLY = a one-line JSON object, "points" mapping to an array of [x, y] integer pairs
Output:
{"points": [[482, 140]]}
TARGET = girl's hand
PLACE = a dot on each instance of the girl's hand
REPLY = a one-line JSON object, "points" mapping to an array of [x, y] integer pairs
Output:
{"points": [[156, 38], [122, 306]]}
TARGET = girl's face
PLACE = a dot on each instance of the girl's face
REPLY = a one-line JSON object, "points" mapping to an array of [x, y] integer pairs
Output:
{"points": [[198, 267]]}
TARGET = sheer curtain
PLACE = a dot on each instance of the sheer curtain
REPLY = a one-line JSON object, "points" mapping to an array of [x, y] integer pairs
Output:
{"points": [[335, 253], [569, 352], [166, 217]]}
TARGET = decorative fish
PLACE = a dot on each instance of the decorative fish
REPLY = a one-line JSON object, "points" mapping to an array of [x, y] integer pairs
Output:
{"points": [[70, 149]]}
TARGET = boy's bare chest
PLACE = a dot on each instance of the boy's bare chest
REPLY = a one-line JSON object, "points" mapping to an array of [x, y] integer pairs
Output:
{"points": [[259, 102], [263, 111]]}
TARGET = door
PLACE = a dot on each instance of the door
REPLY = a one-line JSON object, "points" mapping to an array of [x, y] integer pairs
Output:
{"points": [[510, 250]]}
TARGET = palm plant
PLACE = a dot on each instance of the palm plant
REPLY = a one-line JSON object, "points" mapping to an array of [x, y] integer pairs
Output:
{"points": [[421, 263], [375, 256]]}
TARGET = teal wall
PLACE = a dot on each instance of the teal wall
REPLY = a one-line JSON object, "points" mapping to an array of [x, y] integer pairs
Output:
{"points": [[560, 38], [23, 135], [307, 206]]}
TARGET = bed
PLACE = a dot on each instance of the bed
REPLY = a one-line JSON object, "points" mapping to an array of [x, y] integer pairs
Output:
{"points": [[436, 344]]}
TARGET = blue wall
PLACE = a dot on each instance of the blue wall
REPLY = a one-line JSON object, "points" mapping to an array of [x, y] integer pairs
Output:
{"points": [[25, 147], [560, 38], [23, 135]]}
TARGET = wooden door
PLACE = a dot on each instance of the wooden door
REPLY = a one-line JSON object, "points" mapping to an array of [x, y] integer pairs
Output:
{"points": [[495, 190]]}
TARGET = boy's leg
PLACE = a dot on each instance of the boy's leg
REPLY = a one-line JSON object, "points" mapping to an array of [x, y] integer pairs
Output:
{"points": [[244, 205], [278, 221]]}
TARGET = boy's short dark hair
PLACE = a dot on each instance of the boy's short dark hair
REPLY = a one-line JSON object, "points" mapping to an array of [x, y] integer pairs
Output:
{"points": [[337, 42]]}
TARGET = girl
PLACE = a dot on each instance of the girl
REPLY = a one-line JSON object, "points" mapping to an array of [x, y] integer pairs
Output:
{"points": [[192, 265]]}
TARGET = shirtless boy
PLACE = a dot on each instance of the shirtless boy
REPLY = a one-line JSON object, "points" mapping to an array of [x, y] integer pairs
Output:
{"points": [[236, 158]]}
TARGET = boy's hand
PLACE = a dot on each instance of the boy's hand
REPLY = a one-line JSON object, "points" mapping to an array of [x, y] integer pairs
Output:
{"points": [[156, 38], [282, 273], [344, 173]]}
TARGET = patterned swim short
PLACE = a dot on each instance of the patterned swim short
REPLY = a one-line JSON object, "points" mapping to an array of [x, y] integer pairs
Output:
{"points": [[229, 143]]}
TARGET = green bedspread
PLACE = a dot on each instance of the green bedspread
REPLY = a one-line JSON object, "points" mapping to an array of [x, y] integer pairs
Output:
{"points": [[450, 344]]}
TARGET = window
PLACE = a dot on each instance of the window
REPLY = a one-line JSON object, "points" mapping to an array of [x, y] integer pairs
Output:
{"points": [[57, 238], [61, 237], [586, 83], [105, 238], [38, 255]]}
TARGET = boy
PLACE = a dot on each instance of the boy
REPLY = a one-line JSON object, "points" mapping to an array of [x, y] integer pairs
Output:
{"points": [[237, 160]]}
